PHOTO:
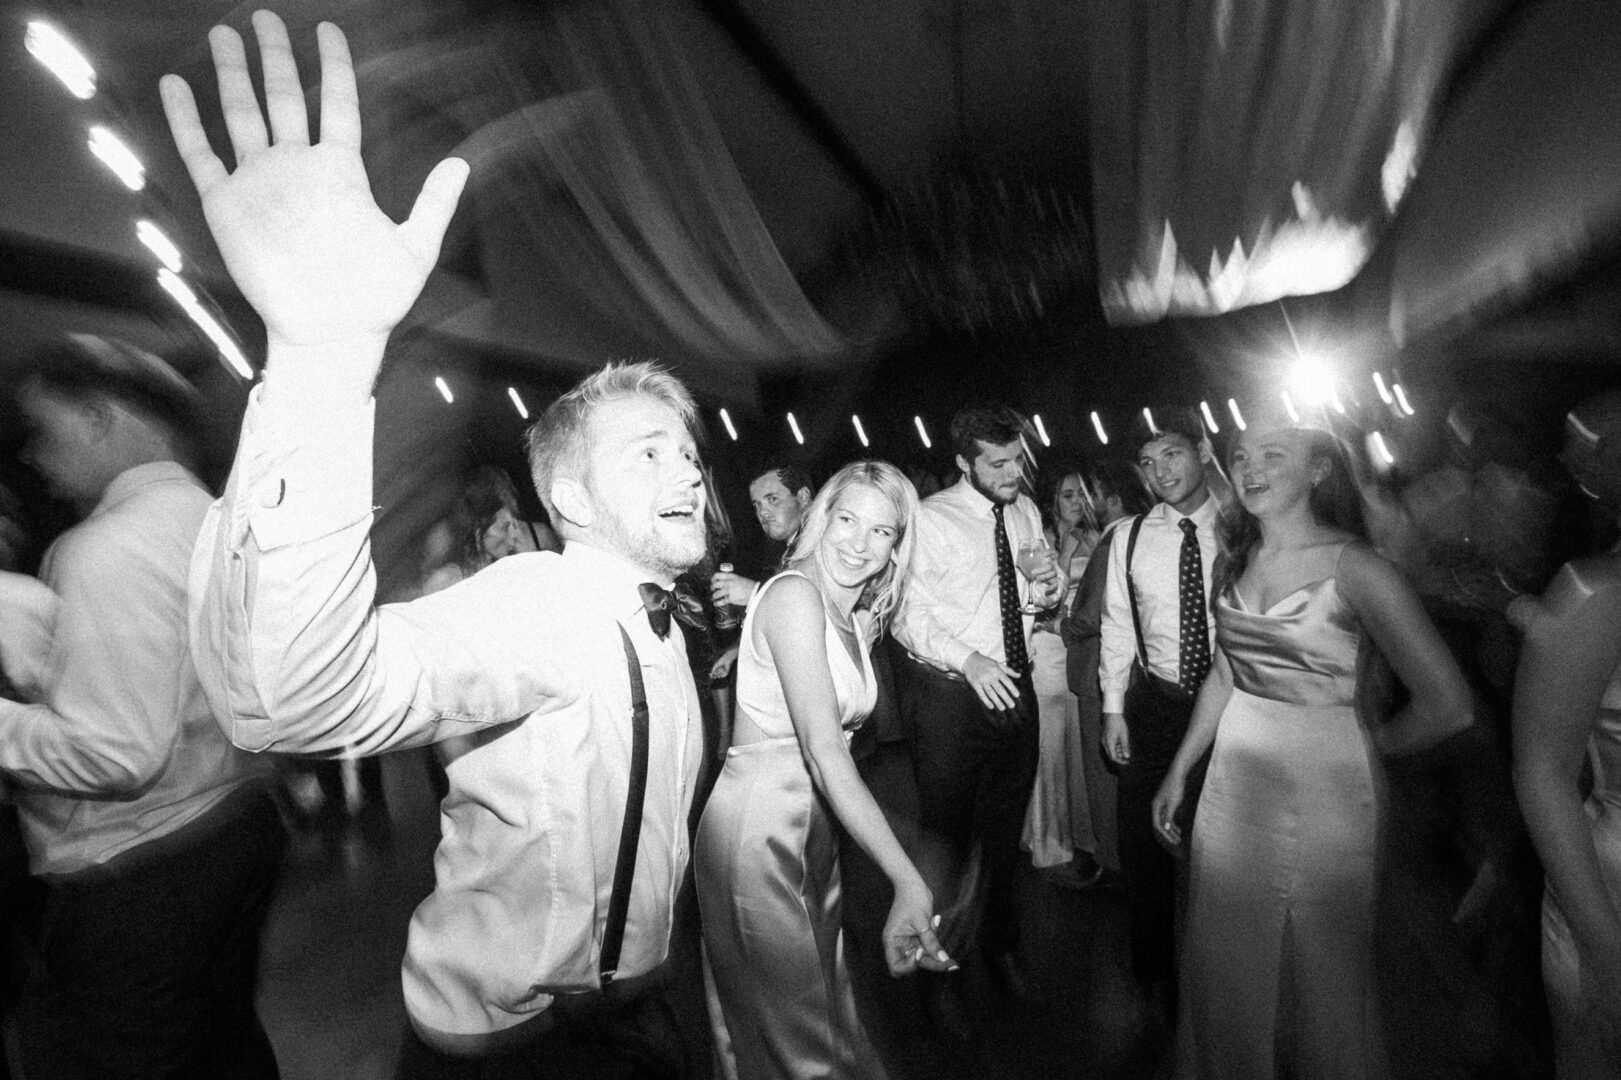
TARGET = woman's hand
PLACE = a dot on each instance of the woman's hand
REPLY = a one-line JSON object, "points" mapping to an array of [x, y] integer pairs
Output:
{"points": [[1167, 801], [909, 938]]}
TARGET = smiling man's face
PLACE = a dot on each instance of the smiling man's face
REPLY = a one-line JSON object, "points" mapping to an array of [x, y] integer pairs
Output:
{"points": [[644, 485]]}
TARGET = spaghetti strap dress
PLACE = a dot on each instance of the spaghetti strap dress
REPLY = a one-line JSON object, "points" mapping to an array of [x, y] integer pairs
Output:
{"points": [[1277, 972], [769, 886]]}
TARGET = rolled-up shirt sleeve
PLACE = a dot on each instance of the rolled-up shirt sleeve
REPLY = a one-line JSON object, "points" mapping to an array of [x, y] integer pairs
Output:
{"points": [[917, 626], [291, 650]]}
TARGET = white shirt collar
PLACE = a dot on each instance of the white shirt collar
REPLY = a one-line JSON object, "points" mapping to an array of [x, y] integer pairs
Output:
{"points": [[619, 579]]}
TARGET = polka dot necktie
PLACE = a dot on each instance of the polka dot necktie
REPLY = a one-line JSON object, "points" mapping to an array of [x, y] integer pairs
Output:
{"points": [[1194, 654], [1007, 585]]}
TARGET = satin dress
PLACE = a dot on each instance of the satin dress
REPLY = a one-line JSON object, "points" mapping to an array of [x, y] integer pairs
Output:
{"points": [[1581, 1047], [1277, 971], [769, 889], [1058, 821]]}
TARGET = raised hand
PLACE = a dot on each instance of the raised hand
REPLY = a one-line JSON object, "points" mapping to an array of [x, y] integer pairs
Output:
{"points": [[326, 269]]}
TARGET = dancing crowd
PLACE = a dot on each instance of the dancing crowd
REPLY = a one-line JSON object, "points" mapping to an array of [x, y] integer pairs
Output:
{"points": [[1192, 682]]}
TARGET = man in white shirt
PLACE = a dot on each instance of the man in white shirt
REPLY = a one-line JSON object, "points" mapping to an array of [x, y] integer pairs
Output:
{"points": [[1159, 576], [965, 690], [510, 959], [157, 845]]}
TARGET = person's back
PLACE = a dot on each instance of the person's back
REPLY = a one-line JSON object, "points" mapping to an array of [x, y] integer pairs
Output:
{"points": [[158, 850]]}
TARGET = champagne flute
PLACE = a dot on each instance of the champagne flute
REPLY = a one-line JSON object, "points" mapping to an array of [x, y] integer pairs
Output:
{"points": [[1033, 557]]}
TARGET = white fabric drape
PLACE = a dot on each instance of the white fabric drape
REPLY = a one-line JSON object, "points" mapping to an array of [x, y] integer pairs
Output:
{"points": [[1245, 150], [606, 212]]}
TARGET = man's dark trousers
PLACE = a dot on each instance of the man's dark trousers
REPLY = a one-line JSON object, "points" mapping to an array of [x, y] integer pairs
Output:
{"points": [[975, 768], [1157, 714]]}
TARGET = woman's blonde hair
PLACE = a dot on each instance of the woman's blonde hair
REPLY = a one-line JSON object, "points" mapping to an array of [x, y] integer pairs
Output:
{"points": [[883, 593]]}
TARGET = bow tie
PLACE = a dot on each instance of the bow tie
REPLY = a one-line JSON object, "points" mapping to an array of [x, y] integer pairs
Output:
{"points": [[662, 603]]}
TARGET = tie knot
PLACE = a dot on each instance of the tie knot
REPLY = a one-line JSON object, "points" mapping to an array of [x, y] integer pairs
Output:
{"points": [[1189, 526], [996, 509]]}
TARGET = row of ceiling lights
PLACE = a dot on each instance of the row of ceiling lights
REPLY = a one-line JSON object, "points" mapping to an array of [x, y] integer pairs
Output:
{"points": [[1315, 388], [59, 55], [63, 59]]}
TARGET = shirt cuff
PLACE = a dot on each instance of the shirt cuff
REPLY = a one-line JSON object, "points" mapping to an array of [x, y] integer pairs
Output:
{"points": [[1114, 701], [956, 654], [308, 467]]}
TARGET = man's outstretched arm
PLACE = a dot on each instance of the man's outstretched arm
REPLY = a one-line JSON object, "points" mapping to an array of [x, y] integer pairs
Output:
{"points": [[289, 646]]}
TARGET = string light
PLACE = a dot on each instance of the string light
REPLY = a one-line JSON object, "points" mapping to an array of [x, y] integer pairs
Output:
{"points": [[229, 351], [726, 419], [517, 402], [861, 432], [1238, 417], [1041, 430], [159, 244], [1289, 407], [1097, 426], [1381, 453], [793, 425], [1153, 428], [922, 433], [118, 157], [51, 47], [444, 389], [1210, 420], [1384, 393], [1401, 398]]}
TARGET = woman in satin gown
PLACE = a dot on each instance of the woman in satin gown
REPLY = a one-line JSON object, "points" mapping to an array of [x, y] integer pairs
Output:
{"points": [[767, 849], [1276, 972], [1567, 713], [1058, 830]]}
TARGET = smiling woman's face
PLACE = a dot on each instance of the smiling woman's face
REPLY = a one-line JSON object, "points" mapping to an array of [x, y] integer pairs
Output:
{"points": [[1273, 468]]}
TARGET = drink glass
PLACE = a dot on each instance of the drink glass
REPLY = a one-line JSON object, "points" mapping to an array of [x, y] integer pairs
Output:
{"points": [[1033, 557]]}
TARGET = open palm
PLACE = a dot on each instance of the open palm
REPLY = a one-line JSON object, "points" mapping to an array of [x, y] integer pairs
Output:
{"points": [[296, 223]]}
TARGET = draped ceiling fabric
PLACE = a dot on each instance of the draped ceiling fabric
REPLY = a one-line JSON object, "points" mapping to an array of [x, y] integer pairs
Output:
{"points": [[608, 216], [1247, 150]]}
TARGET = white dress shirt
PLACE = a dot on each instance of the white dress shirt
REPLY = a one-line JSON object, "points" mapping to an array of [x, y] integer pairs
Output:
{"points": [[1156, 570], [525, 656], [122, 747], [951, 606]]}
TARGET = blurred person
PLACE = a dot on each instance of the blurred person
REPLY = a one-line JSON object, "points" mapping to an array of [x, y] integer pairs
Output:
{"points": [[1277, 970], [966, 697], [548, 939], [1117, 496], [780, 495], [155, 839], [1155, 642], [1567, 725], [766, 856], [484, 526], [1058, 829]]}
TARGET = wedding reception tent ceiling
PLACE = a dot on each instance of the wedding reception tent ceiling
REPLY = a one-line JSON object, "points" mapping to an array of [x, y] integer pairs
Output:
{"points": [[883, 196]]}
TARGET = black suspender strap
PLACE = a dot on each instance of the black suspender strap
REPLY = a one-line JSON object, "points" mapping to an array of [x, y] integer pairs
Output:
{"points": [[1131, 591], [613, 935]]}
